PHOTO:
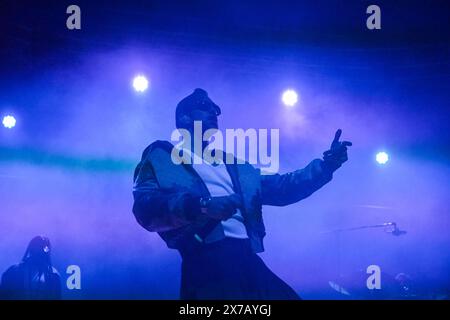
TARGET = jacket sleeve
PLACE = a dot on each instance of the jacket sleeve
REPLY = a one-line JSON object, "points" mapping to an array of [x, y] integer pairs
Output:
{"points": [[157, 209], [285, 189]]}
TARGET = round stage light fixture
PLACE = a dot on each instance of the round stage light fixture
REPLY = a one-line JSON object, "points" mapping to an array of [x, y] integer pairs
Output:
{"points": [[140, 83], [382, 157], [289, 98], [9, 121]]}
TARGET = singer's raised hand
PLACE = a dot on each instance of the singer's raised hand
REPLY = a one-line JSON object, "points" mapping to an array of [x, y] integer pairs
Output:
{"points": [[337, 154]]}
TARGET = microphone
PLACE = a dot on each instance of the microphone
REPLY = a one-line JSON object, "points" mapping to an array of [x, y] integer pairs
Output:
{"points": [[395, 231]]}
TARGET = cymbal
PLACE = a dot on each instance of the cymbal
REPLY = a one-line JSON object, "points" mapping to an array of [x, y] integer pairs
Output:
{"points": [[354, 286]]}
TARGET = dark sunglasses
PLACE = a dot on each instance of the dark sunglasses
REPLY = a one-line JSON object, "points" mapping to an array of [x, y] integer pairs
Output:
{"points": [[207, 106]]}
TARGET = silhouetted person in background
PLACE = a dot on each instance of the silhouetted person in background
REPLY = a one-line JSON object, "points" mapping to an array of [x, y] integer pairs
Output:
{"points": [[34, 278], [212, 212]]}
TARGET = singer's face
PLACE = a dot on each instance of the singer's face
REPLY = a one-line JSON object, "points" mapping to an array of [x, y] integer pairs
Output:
{"points": [[207, 117]]}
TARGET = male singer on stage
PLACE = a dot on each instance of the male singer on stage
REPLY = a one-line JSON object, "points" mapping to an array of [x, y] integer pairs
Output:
{"points": [[212, 213]]}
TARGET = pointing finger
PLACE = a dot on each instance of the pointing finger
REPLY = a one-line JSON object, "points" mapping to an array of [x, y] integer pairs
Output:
{"points": [[337, 135]]}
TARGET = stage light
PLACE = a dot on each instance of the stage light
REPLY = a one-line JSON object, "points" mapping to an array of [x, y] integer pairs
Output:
{"points": [[289, 98], [9, 121], [382, 157], [140, 83]]}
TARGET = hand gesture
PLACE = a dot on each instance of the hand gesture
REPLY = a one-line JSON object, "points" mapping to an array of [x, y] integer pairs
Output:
{"points": [[337, 154], [222, 208]]}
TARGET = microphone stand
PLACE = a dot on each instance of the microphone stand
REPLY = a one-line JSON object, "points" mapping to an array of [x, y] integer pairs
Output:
{"points": [[338, 232], [383, 225]]}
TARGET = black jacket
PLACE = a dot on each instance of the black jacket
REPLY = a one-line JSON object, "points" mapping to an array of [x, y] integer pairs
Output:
{"points": [[166, 195]]}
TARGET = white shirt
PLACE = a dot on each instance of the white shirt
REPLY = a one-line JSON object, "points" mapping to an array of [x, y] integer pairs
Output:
{"points": [[219, 183]]}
